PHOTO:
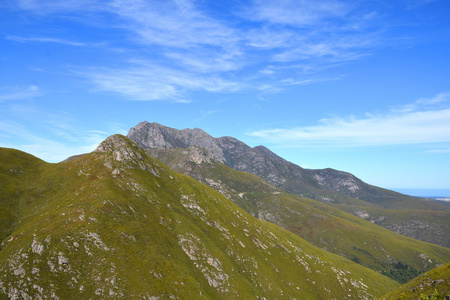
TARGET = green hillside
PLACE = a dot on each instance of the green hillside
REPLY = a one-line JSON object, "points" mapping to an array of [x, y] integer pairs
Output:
{"points": [[117, 224], [434, 285], [407, 221], [370, 245]]}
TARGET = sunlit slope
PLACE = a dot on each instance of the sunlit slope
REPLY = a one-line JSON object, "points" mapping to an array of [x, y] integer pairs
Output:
{"points": [[397, 256], [407, 221], [16, 169], [434, 284], [117, 224]]}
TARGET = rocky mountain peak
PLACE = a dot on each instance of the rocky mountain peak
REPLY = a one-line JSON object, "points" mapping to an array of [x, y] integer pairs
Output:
{"points": [[154, 135], [325, 184], [120, 147]]}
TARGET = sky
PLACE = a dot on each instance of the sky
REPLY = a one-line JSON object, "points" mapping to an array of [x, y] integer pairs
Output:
{"points": [[360, 86]]}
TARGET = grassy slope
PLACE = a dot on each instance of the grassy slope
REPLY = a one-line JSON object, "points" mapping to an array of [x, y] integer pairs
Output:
{"points": [[121, 225], [408, 221], [324, 226], [434, 284]]}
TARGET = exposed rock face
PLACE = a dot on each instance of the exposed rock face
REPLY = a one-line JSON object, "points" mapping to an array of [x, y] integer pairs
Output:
{"points": [[122, 150], [200, 155], [258, 160], [153, 135], [119, 146], [346, 184]]}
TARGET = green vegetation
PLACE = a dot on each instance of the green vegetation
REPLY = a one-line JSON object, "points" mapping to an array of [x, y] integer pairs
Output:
{"points": [[118, 224], [434, 284], [396, 256], [401, 272], [425, 225]]}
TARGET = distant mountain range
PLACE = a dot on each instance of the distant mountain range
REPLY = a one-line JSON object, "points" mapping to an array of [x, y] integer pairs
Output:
{"points": [[415, 217], [123, 222]]}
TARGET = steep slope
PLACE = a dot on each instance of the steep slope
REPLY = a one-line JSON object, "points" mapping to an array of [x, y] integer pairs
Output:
{"points": [[418, 223], [328, 185], [326, 227], [117, 224], [434, 284]]}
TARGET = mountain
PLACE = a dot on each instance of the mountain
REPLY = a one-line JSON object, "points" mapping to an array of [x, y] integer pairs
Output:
{"points": [[326, 227], [431, 222], [118, 224], [434, 284]]}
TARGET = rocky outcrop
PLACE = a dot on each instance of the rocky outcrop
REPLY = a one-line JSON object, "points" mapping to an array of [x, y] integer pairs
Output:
{"points": [[154, 135]]}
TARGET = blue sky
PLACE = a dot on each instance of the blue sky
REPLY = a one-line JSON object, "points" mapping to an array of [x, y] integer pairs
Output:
{"points": [[360, 86]]}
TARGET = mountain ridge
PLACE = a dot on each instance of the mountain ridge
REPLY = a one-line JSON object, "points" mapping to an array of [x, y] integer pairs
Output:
{"points": [[257, 160], [340, 189]]}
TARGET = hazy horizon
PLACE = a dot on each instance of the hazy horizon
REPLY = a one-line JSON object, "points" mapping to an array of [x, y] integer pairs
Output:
{"points": [[423, 192]]}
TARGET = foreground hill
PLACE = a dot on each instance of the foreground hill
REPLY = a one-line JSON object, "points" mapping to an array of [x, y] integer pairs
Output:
{"points": [[370, 245], [118, 224], [334, 187]]}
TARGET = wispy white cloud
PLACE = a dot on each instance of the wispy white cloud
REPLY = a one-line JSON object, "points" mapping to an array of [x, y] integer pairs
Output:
{"points": [[292, 81], [44, 40], [269, 38], [52, 6], [436, 102], [327, 49], [296, 12], [173, 23], [209, 62], [280, 38], [19, 93], [268, 88], [441, 150], [396, 127], [146, 82]]}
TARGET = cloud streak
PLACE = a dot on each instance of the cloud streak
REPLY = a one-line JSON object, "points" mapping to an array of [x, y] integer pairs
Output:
{"points": [[148, 82], [397, 127], [19, 93], [44, 40], [298, 13]]}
